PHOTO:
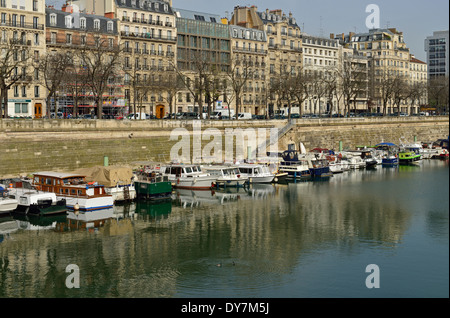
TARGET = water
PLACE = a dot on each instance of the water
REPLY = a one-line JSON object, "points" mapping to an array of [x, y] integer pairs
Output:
{"points": [[304, 240]]}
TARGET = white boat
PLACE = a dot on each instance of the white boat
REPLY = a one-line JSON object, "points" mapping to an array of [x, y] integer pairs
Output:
{"points": [[353, 160], [256, 173], [79, 194], [188, 177], [36, 202], [7, 204], [226, 176]]}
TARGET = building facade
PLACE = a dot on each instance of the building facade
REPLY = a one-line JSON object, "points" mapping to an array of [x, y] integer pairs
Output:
{"points": [[388, 60], [437, 48], [321, 58], [69, 31], [203, 60], [284, 45], [249, 56], [148, 35], [22, 41]]}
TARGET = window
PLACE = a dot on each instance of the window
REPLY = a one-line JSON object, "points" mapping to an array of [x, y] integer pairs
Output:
{"points": [[96, 25], [110, 26], [36, 91], [68, 22], [83, 23]]}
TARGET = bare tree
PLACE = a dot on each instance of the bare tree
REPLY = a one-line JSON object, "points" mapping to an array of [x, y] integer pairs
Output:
{"points": [[239, 75], [55, 69], [14, 58], [100, 62]]}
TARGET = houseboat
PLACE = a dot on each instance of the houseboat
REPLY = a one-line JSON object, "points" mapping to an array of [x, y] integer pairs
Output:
{"points": [[78, 193], [188, 177]]}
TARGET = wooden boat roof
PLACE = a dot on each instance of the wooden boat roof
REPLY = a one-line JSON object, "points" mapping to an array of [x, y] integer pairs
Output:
{"points": [[58, 175]]}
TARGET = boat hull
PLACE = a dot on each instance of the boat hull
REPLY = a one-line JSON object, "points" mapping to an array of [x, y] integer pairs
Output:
{"points": [[153, 191], [8, 205], [196, 183], [90, 203]]}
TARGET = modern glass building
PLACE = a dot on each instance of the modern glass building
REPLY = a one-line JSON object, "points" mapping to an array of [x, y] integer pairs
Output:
{"points": [[437, 50]]}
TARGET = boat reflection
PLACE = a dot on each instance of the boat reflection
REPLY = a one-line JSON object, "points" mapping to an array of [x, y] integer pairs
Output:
{"points": [[90, 221], [192, 199], [35, 223], [7, 226], [151, 210]]}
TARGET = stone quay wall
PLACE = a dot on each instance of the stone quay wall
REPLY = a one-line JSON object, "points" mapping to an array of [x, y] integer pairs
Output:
{"points": [[28, 146]]}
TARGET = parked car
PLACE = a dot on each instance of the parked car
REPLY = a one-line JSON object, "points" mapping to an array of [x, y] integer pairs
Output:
{"points": [[187, 115], [243, 116]]}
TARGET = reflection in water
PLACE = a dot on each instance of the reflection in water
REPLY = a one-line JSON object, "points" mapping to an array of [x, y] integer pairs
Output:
{"points": [[260, 236]]}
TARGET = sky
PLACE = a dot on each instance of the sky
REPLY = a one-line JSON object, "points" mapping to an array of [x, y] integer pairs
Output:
{"points": [[417, 19]]}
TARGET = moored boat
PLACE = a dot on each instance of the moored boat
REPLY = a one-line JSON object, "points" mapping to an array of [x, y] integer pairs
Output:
{"points": [[227, 176], [7, 204], [150, 184], [78, 193], [39, 203], [256, 173], [188, 177]]}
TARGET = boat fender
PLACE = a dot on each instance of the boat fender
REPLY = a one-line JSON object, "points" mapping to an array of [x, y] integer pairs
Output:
{"points": [[76, 207], [276, 179]]}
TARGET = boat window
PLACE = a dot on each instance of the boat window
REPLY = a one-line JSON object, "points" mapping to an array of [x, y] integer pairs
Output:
{"points": [[188, 170], [194, 169], [80, 192], [48, 181], [199, 169], [36, 179], [72, 191], [66, 181], [66, 191]]}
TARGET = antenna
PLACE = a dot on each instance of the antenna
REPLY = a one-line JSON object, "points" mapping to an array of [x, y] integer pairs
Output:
{"points": [[388, 23]]}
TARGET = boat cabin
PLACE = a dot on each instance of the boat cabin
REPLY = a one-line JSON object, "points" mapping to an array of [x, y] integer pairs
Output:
{"points": [[183, 170], [65, 184]]}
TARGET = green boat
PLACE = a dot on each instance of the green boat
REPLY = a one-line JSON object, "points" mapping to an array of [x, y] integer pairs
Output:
{"points": [[152, 186], [408, 157]]}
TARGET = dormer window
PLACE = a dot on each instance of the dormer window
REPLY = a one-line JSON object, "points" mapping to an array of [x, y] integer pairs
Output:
{"points": [[166, 8], [52, 19], [96, 25], [133, 3], [83, 23], [68, 21], [156, 6], [110, 26]]}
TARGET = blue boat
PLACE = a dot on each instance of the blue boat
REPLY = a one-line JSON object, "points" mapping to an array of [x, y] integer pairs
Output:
{"points": [[390, 158], [317, 167]]}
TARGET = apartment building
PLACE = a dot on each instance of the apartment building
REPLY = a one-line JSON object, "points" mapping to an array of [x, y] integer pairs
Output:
{"points": [[321, 57], [22, 41], [148, 36], [388, 56], [249, 56], [437, 48], [418, 79], [71, 31], [283, 41], [204, 59]]}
